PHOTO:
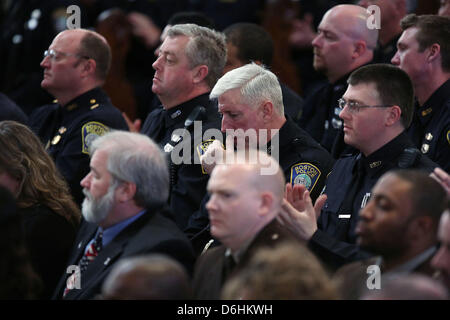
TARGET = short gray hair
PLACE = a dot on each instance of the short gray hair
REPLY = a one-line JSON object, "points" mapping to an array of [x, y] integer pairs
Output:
{"points": [[134, 157], [256, 83], [205, 47]]}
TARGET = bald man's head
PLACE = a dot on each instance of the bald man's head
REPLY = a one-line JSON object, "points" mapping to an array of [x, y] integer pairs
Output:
{"points": [[344, 41], [152, 277], [93, 45], [352, 20], [243, 199]]}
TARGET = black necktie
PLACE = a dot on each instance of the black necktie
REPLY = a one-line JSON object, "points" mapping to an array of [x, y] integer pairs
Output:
{"points": [[346, 207]]}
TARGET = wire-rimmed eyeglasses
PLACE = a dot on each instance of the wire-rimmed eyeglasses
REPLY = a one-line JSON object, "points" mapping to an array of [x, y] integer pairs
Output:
{"points": [[354, 106], [54, 55]]}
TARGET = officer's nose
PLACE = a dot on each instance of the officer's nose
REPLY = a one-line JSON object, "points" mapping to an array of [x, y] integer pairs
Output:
{"points": [[86, 182], [316, 41], [366, 213], [395, 59], [157, 64], [45, 63], [344, 114], [211, 205]]}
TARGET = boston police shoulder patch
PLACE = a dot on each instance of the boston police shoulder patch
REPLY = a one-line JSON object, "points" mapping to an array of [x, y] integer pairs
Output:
{"points": [[202, 147], [448, 136], [91, 131], [305, 173]]}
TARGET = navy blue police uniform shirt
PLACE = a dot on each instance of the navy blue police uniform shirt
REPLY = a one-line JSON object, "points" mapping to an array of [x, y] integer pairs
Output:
{"points": [[320, 117], [335, 240], [9, 110], [430, 129], [303, 161], [188, 180], [67, 131]]}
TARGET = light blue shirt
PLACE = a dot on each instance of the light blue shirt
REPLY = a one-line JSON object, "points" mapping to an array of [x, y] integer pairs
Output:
{"points": [[110, 233]]}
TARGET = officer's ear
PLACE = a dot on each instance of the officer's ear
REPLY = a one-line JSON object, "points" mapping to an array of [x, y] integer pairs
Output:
{"points": [[433, 52], [360, 49], [199, 73], [421, 228], [88, 67], [393, 115], [266, 204], [267, 111]]}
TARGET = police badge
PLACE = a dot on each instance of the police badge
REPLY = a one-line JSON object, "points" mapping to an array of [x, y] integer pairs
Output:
{"points": [[89, 132], [305, 173]]}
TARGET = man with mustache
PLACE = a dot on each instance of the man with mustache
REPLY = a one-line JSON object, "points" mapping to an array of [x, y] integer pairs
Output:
{"points": [[399, 224], [126, 191], [343, 43]]}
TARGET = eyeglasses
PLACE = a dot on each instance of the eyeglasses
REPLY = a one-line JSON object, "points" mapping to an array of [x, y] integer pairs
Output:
{"points": [[54, 55], [354, 106]]}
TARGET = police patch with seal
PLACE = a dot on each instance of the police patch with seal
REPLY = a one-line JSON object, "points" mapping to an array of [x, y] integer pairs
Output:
{"points": [[448, 136], [305, 173], [201, 149], [91, 131]]}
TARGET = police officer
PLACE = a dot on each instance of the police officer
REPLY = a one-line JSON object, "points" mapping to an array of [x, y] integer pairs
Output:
{"points": [[75, 66], [190, 60], [27, 30], [343, 44], [376, 109], [426, 39], [250, 99]]}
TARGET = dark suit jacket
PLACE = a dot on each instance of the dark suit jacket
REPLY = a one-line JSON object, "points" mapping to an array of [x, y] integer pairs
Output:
{"points": [[151, 233], [208, 274], [352, 278]]}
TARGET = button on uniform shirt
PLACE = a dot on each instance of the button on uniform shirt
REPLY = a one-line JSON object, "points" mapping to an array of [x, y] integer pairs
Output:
{"points": [[430, 129], [320, 116], [67, 131], [188, 180], [302, 160], [334, 241]]}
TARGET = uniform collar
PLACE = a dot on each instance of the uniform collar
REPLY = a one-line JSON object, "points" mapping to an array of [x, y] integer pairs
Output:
{"points": [[388, 153], [180, 113], [341, 83], [434, 103], [286, 132], [90, 99]]}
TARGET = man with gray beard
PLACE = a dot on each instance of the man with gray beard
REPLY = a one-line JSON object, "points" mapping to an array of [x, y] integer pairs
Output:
{"points": [[124, 213]]}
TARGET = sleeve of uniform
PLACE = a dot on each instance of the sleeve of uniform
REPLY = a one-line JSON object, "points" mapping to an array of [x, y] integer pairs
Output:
{"points": [[443, 150], [188, 192], [335, 253]]}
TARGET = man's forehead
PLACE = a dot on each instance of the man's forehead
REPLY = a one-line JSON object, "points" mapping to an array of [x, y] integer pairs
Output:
{"points": [[408, 35], [175, 42], [361, 92], [230, 98], [391, 183]]}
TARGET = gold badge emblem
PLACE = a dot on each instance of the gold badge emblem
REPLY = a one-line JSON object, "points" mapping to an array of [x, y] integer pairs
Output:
{"points": [[425, 148], [56, 139]]}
